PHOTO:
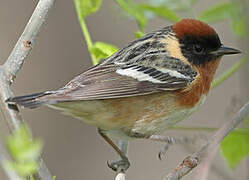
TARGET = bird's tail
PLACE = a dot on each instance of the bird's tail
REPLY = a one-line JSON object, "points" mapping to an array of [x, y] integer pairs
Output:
{"points": [[30, 101]]}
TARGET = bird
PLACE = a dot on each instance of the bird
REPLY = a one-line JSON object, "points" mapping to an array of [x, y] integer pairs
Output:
{"points": [[145, 87]]}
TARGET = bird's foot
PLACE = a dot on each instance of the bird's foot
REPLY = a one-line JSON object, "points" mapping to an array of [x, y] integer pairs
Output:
{"points": [[120, 165], [169, 141]]}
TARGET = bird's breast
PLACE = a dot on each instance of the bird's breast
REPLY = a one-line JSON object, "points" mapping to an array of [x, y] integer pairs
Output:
{"points": [[121, 118], [156, 118]]}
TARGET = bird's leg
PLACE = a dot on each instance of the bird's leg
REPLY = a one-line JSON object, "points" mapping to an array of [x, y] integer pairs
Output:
{"points": [[169, 142], [124, 162]]}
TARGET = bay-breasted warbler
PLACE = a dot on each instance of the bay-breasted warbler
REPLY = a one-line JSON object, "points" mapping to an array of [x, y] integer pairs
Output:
{"points": [[145, 87]]}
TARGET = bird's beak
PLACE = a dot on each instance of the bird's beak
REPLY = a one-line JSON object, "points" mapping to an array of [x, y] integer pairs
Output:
{"points": [[223, 50]]}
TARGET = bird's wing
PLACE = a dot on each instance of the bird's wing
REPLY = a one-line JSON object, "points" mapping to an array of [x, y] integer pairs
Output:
{"points": [[111, 81], [142, 67]]}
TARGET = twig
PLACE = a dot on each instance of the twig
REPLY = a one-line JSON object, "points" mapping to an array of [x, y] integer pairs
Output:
{"points": [[13, 64], [84, 30], [214, 167], [123, 145], [204, 167], [195, 159], [27, 39]]}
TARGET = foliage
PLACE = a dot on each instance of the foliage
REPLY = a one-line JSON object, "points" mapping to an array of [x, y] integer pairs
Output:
{"points": [[139, 34], [135, 11], [88, 7], [161, 11], [218, 12], [24, 151], [140, 11], [226, 11], [176, 6], [102, 50], [235, 147], [168, 9]]}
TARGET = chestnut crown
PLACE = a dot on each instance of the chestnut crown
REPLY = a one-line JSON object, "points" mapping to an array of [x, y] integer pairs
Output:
{"points": [[199, 42]]}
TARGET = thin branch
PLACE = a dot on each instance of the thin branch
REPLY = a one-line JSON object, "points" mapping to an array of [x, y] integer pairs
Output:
{"points": [[214, 167], [27, 39], [189, 163], [43, 172], [13, 64], [204, 167]]}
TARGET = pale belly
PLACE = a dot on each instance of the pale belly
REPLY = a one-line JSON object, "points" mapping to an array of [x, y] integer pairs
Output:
{"points": [[126, 117]]}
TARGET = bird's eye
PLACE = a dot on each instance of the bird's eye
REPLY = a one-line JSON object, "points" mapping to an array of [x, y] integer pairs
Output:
{"points": [[198, 49]]}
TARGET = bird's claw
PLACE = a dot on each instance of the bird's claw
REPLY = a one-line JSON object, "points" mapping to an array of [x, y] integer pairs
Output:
{"points": [[160, 154], [121, 165], [163, 151], [171, 141]]}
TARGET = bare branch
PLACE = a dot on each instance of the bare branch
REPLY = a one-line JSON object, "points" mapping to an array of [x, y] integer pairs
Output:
{"points": [[219, 171], [27, 39], [189, 163], [204, 167], [13, 64]]}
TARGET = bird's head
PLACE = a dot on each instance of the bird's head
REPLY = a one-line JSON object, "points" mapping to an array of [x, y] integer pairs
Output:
{"points": [[198, 42]]}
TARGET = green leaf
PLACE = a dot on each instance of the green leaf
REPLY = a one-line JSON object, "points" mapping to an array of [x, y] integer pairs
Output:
{"points": [[102, 50], [139, 34], [32, 177], [23, 169], [24, 151], [87, 7], [133, 10], [161, 11], [22, 147], [235, 147], [218, 12]]}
